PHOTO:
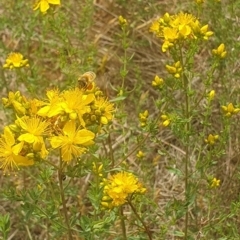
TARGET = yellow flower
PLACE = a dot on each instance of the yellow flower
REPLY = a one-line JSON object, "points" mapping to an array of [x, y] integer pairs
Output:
{"points": [[211, 95], [140, 154], [175, 70], [72, 104], [15, 60], [16, 100], [211, 139], [118, 187], [72, 141], [176, 28], [76, 104], [215, 183], [122, 21], [102, 110], [10, 152], [182, 22], [229, 110], [155, 27], [157, 82], [143, 118], [220, 51], [33, 131], [170, 34], [44, 4], [205, 33], [166, 19], [52, 107], [166, 120], [166, 45]]}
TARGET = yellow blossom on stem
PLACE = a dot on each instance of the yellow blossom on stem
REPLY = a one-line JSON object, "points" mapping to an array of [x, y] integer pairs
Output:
{"points": [[33, 131], [155, 27], [211, 139], [118, 187], [215, 183], [143, 118], [205, 33], [15, 60], [140, 154], [174, 29], [166, 19], [175, 69], [170, 34], [45, 4], [157, 82], [182, 22], [230, 110], [52, 107], [211, 95], [72, 104], [10, 152], [122, 21], [16, 100], [103, 110], [166, 45], [76, 104], [165, 120], [220, 51], [72, 141]]}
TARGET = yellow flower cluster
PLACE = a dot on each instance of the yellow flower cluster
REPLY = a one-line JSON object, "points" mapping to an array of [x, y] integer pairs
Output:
{"points": [[211, 139], [15, 60], [175, 69], [215, 183], [220, 51], [122, 21], [143, 117], [166, 120], [157, 82], [174, 29], [230, 110], [118, 187], [63, 120], [211, 95]]}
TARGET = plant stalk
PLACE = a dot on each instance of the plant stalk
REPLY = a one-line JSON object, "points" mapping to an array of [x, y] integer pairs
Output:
{"points": [[148, 232], [60, 180], [186, 114], [123, 223]]}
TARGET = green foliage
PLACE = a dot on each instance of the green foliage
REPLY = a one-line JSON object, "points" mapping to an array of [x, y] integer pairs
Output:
{"points": [[4, 225]]}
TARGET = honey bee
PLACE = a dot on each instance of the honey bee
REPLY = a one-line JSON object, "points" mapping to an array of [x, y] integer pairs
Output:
{"points": [[85, 81]]}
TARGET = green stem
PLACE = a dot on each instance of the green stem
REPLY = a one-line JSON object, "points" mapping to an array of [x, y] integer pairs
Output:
{"points": [[123, 223], [111, 155], [186, 88], [125, 47], [60, 180], [187, 129], [148, 232]]}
